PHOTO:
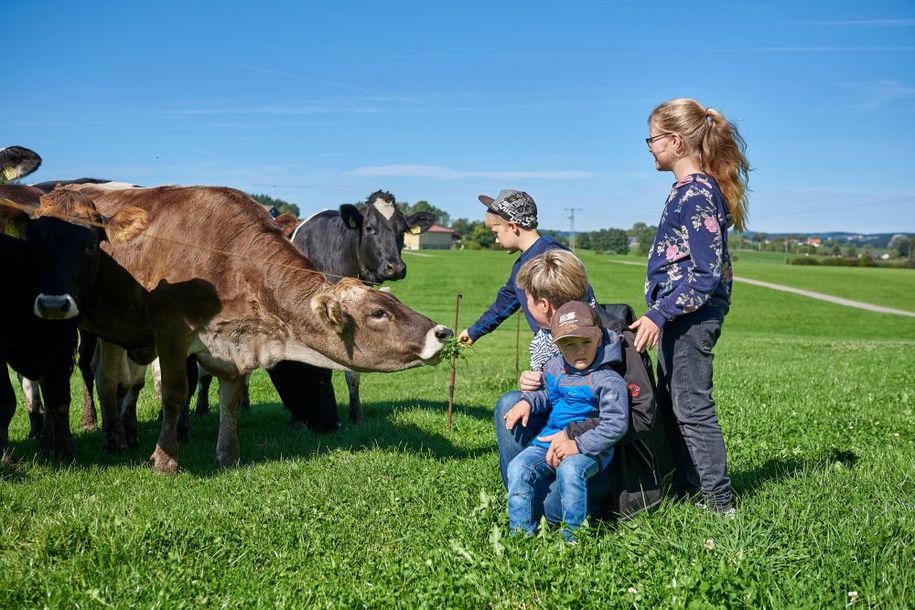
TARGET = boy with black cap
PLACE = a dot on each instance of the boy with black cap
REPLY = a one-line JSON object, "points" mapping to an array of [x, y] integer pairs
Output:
{"points": [[512, 217], [579, 384]]}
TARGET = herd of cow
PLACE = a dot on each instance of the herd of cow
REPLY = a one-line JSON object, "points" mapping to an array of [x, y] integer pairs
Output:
{"points": [[193, 276]]}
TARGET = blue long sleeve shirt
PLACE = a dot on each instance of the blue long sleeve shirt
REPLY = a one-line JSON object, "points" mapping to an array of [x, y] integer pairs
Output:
{"points": [[510, 297], [689, 264]]}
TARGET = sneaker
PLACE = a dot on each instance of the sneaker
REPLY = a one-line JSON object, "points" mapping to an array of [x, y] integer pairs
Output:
{"points": [[726, 511]]}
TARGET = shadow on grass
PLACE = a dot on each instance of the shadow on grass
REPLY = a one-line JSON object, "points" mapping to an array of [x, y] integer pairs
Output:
{"points": [[747, 482], [265, 435]]}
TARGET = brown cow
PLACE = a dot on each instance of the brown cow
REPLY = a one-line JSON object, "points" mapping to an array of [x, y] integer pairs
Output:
{"points": [[214, 277]]}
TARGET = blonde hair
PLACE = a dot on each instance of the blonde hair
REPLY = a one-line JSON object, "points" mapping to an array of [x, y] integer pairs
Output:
{"points": [[718, 144], [556, 275]]}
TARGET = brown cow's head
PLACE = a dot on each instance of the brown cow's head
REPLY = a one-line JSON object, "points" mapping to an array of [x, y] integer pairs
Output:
{"points": [[381, 227], [65, 234], [366, 320]]}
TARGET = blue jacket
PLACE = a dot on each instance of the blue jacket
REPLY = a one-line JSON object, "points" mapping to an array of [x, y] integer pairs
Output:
{"points": [[689, 264], [571, 395], [510, 297]]}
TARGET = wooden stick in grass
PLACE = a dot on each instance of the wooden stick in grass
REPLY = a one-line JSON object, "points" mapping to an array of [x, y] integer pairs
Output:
{"points": [[457, 310]]}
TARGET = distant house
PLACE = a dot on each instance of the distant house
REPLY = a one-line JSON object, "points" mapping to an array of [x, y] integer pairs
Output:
{"points": [[436, 238], [816, 242]]}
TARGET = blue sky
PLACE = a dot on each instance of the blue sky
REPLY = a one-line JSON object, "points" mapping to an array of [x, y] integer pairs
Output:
{"points": [[323, 103]]}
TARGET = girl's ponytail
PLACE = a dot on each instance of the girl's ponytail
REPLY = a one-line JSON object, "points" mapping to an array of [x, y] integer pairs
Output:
{"points": [[718, 145]]}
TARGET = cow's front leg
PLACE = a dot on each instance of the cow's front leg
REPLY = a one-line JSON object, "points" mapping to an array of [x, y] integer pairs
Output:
{"points": [[355, 406], [136, 381], [87, 345], [56, 435], [230, 395], [7, 409], [107, 364], [32, 394], [174, 396]]}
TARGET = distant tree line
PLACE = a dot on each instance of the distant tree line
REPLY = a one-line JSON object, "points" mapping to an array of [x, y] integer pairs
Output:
{"points": [[283, 206]]}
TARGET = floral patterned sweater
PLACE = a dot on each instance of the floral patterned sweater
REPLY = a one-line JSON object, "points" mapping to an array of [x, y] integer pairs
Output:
{"points": [[689, 263]]}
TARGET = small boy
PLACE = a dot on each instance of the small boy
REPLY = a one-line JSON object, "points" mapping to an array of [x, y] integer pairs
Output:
{"points": [[512, 217], [579, 384]]}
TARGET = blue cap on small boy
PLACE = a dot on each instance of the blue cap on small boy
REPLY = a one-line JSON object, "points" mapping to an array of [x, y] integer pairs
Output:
{"points": [[575, 319], [514, 206]]}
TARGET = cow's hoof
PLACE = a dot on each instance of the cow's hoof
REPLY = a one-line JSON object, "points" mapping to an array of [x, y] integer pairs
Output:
{"points": [[356, 418], [36, 423], [163, 462], [296, 424], [65, 453], [114, 444], [324, 427], [88, 426], [228, 461]]}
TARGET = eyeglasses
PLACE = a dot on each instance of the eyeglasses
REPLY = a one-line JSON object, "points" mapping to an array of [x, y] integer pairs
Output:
{"points": [[654, 139]]}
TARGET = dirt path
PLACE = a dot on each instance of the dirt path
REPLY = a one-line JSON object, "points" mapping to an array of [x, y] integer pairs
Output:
{"points": [[809, 293]]}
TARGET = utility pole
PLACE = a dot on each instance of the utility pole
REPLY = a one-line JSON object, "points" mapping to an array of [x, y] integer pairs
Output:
{"points": [[571, 212]]}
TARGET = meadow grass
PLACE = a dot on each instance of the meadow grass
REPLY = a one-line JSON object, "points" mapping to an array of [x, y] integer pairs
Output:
{"points": [[889, 287], [816, 402]]}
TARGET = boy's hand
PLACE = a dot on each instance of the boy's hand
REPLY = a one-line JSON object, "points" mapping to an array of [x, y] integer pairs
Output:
{"points": [[561, 447], [530, 381], [521, 411], [647, 333], [464, 338]]}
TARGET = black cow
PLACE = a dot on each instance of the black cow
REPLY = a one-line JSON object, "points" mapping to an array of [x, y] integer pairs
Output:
{"points": [[365, 244], [47, 273]]}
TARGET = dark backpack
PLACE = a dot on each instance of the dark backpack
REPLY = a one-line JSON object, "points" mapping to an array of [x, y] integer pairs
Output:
{"points": [[636, 369]]}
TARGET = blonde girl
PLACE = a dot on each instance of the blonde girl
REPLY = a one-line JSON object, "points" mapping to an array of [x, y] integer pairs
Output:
{"points": [[688, 291]]}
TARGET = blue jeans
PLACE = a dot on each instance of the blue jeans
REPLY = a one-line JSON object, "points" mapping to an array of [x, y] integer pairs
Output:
{"points": [[547, 501], [529, 474], [685, 396]]}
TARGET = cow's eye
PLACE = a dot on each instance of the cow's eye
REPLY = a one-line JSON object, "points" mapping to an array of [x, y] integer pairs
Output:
{"points": [[91, 249], [379, 314], [369, 229]]}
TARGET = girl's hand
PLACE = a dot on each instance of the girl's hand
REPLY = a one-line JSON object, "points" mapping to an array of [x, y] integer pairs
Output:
{"points": [[647, 333], [464, 338], [530, 381], [521, 411]]}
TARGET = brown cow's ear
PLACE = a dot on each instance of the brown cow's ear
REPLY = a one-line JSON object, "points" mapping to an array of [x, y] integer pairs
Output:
{"points": [[126, 224], [327, 307]]}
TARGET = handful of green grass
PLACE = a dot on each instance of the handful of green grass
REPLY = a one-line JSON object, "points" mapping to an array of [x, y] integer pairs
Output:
{"points": [[454, 349]]}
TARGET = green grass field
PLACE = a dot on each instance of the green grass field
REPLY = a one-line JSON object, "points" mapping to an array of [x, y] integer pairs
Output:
{"points": [[816, 402]]}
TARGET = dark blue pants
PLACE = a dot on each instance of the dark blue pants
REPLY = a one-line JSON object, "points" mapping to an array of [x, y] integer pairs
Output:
{"points": [[685, 396], [547, 500]]}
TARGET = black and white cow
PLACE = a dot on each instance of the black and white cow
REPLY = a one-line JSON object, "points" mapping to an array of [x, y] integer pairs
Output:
{"points": [[351, 243]]}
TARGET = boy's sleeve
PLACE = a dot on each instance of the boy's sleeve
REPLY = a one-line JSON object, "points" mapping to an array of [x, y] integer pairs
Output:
{"points": [[505, 305], [613, 402], [700, 229], [540, 399]]}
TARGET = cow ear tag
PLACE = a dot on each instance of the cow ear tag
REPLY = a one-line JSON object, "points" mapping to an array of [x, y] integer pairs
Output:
{"points": [[416, 230], [351, 223], [11, 230]]}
